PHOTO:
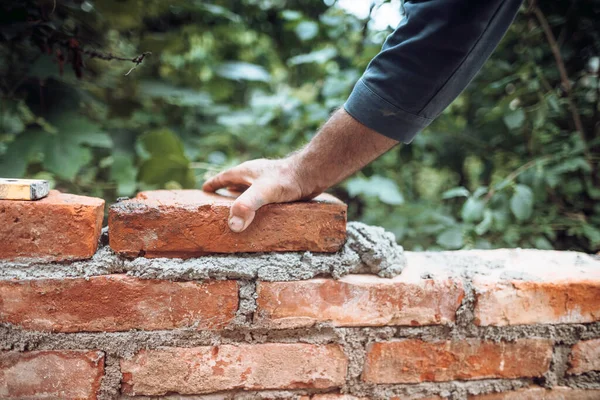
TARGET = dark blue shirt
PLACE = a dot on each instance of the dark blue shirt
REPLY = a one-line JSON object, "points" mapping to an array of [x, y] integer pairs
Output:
{"points": [[431, 57]]}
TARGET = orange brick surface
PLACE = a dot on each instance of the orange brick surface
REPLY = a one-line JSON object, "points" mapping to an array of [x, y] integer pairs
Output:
{"points": [[116, 303], [358, 300], [211, 369], [187, 223], [526, 302], [51, 374], [413, 360], [585, 357], [350, 397], [537, 393], [56, 228]]}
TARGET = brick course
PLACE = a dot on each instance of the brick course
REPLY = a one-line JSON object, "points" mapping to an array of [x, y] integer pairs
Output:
{"points": [[187, 223], [414, 361], [226, 367], [526, 302], [62, 374], [358, 300], [537, 393], [56, 228], [116, 303], [585, 357]]}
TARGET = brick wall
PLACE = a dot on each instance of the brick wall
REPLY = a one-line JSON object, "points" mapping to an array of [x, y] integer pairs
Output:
{"points": [[356, 318]]}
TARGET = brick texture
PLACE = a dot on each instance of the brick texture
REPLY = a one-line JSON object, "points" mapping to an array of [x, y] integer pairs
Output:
{"points": [[332, 396], [226, 367], [51, 374], [585, 357], [56, 228], [358, 300], [526, 302], [116, 303], [537, 393], [187, 223], [413, 360]]}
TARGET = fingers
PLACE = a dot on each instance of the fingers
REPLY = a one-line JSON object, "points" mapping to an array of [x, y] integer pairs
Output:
{"points": [[245, 206], [234, 177]]}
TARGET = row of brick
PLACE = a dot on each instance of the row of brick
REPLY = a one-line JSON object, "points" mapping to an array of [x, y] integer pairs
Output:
{"points": [[121, 302], [163, 223], [70, 374], [531, 393]]}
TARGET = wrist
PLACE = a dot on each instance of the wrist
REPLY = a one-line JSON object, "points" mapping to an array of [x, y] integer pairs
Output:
{"points": [[305, 174]]}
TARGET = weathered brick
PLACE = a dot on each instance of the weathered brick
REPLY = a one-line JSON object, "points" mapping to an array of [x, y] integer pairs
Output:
{"points": [[187, 223], [413, 360], [358, 300], [116, 303], [331, 396], [227, 367], [525, 302], [56, 228], [585, 357], [65, 374], [537, 393], [537, 287]]}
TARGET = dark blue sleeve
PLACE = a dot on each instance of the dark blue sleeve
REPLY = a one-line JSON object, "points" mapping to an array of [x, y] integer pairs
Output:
{"points": [[431, 57]]}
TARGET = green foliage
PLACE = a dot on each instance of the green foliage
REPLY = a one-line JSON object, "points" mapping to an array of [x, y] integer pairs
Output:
{"points": [[507, 164]]}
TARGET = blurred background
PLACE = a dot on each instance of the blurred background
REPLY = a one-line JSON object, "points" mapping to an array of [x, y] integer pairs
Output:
{"points": [[513, 162]]}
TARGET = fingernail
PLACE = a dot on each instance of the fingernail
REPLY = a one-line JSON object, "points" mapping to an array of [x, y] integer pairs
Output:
{"points": [[236, 224]]}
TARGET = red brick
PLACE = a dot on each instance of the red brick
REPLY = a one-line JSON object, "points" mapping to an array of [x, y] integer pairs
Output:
{"points": [[65, 374], [227, 367], [331, 396], [585, 357], [535, 287], [350, 397], [56, 228], [116, 303], [526, 302], [188, 223], [413, 360], [537, 393], [358, 300]]}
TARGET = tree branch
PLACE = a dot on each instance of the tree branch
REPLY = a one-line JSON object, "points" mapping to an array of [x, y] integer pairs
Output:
{"points": [[565, 82]]}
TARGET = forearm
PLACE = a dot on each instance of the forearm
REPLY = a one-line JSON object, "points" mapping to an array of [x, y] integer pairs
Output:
{"points": [[340, 148]]}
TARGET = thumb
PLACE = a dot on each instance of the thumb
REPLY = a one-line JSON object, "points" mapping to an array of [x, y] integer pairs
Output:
{"points": [[245, 206]]}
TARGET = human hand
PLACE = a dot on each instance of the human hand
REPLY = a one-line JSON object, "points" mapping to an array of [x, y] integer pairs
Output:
{"points": [[264, 182]]}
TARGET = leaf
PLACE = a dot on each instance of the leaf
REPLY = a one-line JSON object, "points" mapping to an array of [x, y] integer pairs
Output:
{"points": [[123, 172], [376, 186], [485, 224], [319, 57], [173, 94], [239, 70], [162, 142], [13, 163], [161, 170], [593, 234], [64, 153], [11, 124], [166, 159], [472, 210], [514, 119], [451, 239], [307, 30], [541, 242], [521, 202], [291, 15], [218, 11], [456, 192]]}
